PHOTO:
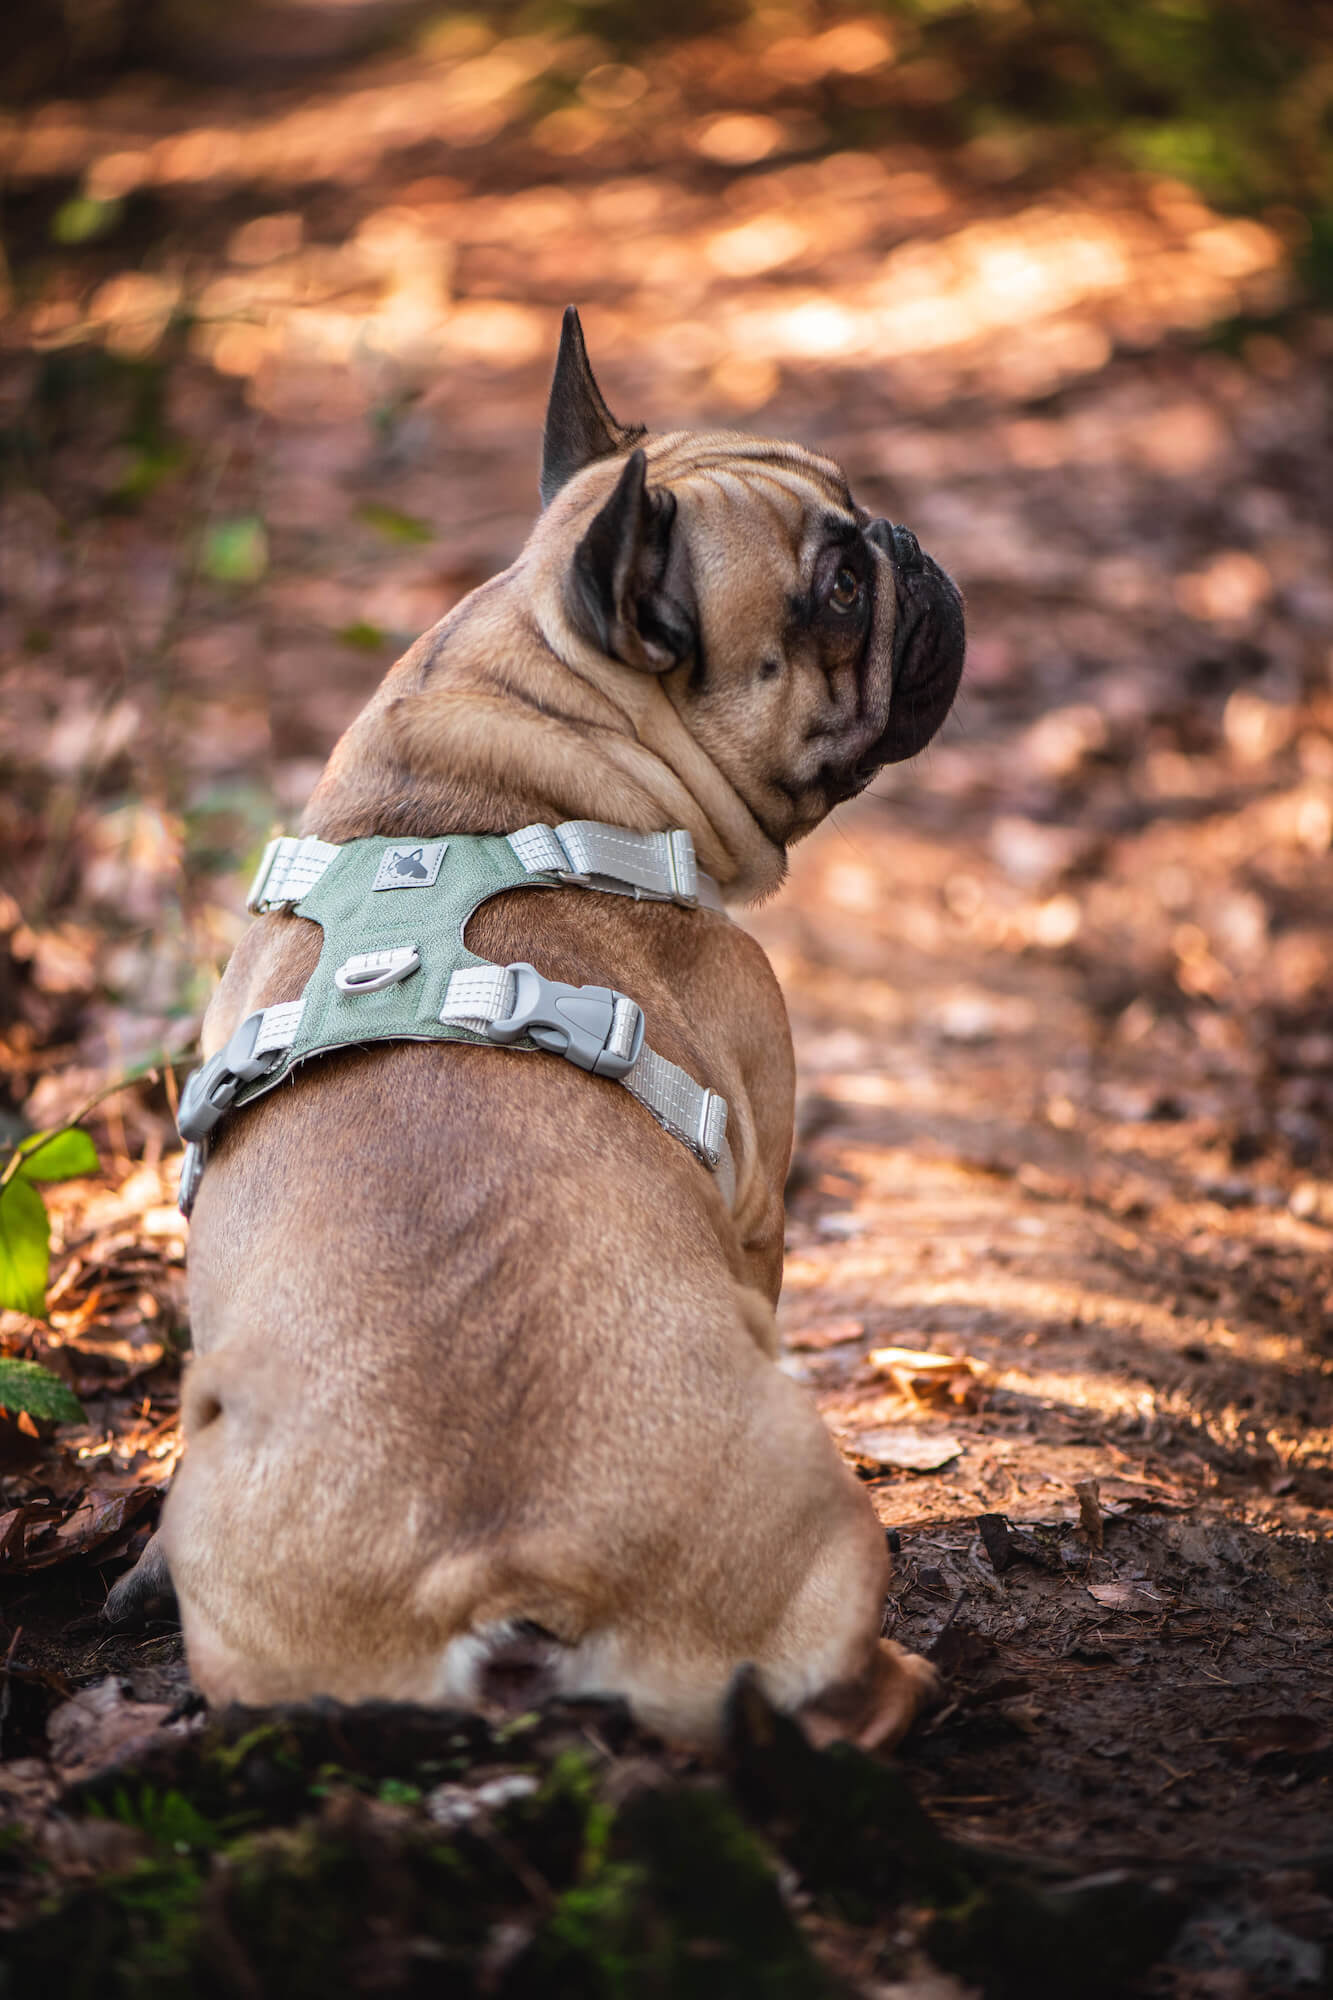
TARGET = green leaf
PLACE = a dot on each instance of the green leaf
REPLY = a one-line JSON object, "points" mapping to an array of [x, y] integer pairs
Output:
{"points": [[366, 638], [236, 551], [26, 1385], [58, 1156], [146, 470], [394, 525], [398, 1792], [82, 219], [25, 1237]]}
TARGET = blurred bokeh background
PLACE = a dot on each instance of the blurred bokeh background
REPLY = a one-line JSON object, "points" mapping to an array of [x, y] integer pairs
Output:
{"points": [[1054, 279]]}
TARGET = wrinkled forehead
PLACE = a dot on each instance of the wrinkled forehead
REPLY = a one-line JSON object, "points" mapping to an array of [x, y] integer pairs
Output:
{"points": [[792, 498]]}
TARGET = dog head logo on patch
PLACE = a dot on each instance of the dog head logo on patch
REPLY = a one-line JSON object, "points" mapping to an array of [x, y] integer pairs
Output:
{"points": [[410, 867]]}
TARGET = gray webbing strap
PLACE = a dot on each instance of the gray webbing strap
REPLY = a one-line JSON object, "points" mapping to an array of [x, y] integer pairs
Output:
{"points": [[287, 870], [689, 1111], [686, 1109], [278, 1027], [586, 853], [654, 867]]}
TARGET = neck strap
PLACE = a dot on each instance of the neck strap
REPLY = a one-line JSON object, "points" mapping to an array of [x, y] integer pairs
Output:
{"points": [[583, 853]]}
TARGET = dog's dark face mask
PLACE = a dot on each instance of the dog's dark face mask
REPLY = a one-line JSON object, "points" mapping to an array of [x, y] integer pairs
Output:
{"points": [[804, 643]]}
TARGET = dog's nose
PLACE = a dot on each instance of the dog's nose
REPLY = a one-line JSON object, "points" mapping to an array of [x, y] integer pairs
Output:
{"points": [[906, 548], [900, 545]]}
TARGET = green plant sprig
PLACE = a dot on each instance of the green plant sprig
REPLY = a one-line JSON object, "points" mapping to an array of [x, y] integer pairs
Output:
{"points": [[65, 1153]]}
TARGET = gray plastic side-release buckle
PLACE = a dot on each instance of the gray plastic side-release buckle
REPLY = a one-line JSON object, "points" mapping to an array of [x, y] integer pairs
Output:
{"points": [[594, 1027], [192, 1172], [210, 1090]]}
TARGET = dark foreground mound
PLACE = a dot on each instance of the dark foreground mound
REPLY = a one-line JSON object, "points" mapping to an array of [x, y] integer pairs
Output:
{"points": [[404, 1851]]}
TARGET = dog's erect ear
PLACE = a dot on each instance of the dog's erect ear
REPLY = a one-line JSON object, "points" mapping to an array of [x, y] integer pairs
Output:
{"points": [[579, 427], [629, 587]]}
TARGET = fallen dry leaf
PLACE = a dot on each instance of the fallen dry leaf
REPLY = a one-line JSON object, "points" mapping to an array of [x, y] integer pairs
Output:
{"points": [[1279, 1736], [930, 1378], [904, 1449], [1006, 1544], [1131, 1496], [100, 1519], [1126, 1596], [98, 1726], [28, 1541], [814, 1339], [14, 1526], [118, 1360]]}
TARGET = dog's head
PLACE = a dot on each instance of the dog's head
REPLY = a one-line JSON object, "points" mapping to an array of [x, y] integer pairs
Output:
{"points": [[803, 643]]}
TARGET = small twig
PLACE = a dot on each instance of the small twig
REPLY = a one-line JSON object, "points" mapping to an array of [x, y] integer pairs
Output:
{"points": [[957, 1606], [6, 1683], [153, 1074]]}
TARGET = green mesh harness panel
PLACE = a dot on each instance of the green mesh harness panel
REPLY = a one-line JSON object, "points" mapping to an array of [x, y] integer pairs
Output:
{"points": [[357, 918]]}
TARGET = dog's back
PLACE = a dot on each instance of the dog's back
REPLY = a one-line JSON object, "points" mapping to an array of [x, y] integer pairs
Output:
{"points": [[479, 1365]]}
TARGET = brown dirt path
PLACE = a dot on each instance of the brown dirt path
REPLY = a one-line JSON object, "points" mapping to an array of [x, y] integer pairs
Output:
{"points": [[983, 1178]]}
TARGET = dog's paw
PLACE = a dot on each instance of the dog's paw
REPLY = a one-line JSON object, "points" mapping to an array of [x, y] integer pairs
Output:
{"points": [[146, 1591], [876, 1708], [906, 1685]]}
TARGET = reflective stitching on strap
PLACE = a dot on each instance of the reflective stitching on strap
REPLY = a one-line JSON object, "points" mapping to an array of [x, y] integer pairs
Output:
{"points": [[643, 860], [538, 850], [688, 1110], [476, 996], [279, 1027], [658, 867], [288, 870]]}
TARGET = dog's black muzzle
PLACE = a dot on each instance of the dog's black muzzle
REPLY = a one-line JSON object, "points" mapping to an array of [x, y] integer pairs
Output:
{"points": [[928, 644]]}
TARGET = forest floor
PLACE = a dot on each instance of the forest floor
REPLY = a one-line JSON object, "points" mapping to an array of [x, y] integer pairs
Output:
{"points": [[1061, 1208]]}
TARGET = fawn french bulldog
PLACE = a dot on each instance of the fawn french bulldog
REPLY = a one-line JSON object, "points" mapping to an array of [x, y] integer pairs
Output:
{"points": [[483, 1388]]}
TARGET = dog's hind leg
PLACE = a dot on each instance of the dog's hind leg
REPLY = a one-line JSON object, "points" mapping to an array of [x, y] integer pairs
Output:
{"points": [[785, 1571], [146, 1591]]}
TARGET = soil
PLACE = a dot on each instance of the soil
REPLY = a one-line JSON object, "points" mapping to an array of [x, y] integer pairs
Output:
{"points": [[1058, 989]]}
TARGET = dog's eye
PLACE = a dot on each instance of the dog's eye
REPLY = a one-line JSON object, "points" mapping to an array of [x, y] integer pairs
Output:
{"points": [[846, 591]]}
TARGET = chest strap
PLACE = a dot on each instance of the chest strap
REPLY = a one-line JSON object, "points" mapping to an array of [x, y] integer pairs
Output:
{"points": [[418, 981]]}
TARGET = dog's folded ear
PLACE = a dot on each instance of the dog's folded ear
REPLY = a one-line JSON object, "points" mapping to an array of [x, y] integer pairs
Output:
{"points": [[579, 427], [629, 588]]}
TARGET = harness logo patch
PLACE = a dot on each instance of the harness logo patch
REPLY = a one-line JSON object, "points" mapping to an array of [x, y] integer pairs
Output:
{"points": [[414, 865]]}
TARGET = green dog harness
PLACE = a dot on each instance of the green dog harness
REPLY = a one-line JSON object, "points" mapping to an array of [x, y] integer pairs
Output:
{"points": [[394, 967]]}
